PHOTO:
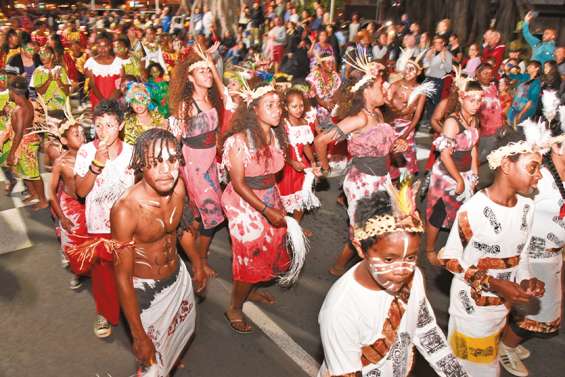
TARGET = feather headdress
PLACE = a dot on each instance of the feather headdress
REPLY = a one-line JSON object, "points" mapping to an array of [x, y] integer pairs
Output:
{"points": [[460, 80], [362, 63], [427, 89], [249, 95], [550, 103], [200, 63], [43, 123], [538, 139], [559, 139], [405, 216], [415, 61]]}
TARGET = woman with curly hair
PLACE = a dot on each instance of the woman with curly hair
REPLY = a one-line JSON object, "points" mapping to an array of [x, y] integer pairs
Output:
{"points": [[253, 155], [370, 142], [195, 106]]}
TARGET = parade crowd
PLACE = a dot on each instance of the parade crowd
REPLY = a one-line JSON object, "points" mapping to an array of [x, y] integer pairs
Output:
{"points": [[158, 130]]}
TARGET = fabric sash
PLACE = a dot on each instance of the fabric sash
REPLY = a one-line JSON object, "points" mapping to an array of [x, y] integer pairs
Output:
{"points": [[462, 161], [202, 141], [261, 182], [376, 166]]}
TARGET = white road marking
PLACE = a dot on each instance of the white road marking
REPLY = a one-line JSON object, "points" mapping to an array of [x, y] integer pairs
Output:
{"points": [[12, 225], [292, 349]]}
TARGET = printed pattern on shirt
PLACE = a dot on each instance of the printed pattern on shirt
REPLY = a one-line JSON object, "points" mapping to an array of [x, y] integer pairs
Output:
{"points": [[536, 248], [451, 367], [504, 275], [524, 224], [486, 248], [466, 301], [399, 353], [432, 341], [424, 317], [489, 214]]}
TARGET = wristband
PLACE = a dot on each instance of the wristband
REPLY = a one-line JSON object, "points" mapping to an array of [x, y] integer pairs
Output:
{"points": [[98, 164], [264, 209], [92, 171]]}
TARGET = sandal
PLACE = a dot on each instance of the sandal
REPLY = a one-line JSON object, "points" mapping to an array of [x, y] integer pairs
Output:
{"points": [[233, 323]]}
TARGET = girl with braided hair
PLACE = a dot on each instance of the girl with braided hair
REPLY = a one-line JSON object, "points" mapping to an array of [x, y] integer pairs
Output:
{"points": [[544, 250]]}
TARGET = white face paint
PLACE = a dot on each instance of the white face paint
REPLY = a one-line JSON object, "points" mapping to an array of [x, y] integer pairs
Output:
{"points": [[379, 268], [166, 156]]}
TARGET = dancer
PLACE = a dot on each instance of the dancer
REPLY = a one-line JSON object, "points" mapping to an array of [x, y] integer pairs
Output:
{"points": [[103, 71], [141, 118], [254, 152], [154, 286], [297, 179], [406, 99], [491, 116], [102, 175], [23, 156], [6, 133], [374, 315], [485, 253], [51, 81], [455, 175], [195, 103], [544, 249], [370, 141], [63, 199]]}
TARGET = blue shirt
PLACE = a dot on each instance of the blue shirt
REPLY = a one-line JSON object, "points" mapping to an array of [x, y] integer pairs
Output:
{"points": [[541, 51]]}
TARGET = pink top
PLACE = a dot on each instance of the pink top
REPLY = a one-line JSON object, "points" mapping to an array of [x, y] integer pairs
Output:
{"points": [[372, 142], [490, 113]]}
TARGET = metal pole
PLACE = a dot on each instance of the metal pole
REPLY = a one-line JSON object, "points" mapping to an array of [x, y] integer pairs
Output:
{"points": [[332, 11], [92, 4], [156, 5]]}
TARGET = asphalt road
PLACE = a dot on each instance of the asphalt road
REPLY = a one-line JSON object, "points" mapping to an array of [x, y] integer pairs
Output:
{"points": [[46, 328]]}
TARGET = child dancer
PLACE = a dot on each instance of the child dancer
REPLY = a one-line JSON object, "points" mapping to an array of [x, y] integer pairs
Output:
{"points": [[486, 253], [62, 196], [374, 315], [297, 177]]}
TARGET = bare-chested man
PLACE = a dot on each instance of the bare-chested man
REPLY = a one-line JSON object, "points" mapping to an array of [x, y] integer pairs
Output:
{"points": [[64, 200], [153, 284], [406, 113], [23, 153]]}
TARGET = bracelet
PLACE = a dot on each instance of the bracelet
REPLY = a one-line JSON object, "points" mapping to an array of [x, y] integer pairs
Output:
{"points": [[264, 209], [98, 164], [92, 171]]}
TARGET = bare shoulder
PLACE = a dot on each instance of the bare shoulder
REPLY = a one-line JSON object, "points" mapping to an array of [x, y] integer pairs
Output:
{"points": [[125, 207]]}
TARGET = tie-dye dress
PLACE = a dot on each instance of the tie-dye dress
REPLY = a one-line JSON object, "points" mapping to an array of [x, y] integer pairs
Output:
{"points": [[200, 171], [369, 150], [259, 249]]}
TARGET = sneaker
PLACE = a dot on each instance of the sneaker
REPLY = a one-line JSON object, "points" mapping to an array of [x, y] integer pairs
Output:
{"points": [[64, 262], [102, 327], [511, 362], [75, 283], [522, 352]]}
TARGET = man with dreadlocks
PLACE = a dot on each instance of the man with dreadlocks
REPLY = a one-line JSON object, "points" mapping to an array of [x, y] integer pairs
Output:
{"points": [[154, 285]]}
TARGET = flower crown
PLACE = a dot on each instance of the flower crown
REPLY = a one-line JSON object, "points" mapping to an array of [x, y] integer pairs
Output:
{"points": [[404, 217], [538, 139]]}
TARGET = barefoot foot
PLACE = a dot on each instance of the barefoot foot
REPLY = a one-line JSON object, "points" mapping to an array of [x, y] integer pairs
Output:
{"points": [[261, 296]]}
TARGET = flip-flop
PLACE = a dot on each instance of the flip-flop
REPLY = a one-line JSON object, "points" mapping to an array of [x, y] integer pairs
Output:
{"points": [[234, 321]]}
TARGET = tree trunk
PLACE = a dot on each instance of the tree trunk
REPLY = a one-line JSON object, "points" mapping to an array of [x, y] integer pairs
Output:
{"points": [[508, 13]]}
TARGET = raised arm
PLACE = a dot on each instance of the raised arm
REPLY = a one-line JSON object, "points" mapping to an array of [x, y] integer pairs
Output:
{"points": [[532, 41]]}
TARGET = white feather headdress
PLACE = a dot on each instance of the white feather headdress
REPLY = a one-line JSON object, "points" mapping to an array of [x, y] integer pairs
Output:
{"points": [[362, 63], [249, 95], [550, 103], [43, 123]]}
